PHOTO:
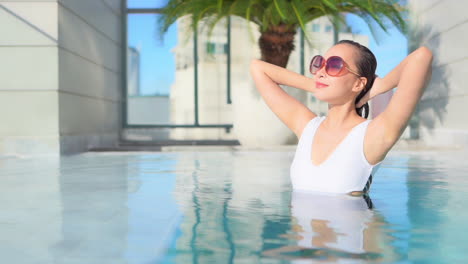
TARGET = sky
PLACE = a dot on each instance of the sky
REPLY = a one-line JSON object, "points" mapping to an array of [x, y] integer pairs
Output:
{"points": [[390, 48], [157, 63], [157, 66]]}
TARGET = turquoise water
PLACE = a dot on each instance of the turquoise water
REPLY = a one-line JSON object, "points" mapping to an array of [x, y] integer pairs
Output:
{"points": [[227, 207]]}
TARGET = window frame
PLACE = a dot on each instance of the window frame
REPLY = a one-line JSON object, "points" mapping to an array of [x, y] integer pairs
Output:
{"points": [[196, 124]]}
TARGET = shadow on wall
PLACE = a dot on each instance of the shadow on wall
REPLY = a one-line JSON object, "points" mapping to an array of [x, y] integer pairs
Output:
{"points": [[433, 104]]}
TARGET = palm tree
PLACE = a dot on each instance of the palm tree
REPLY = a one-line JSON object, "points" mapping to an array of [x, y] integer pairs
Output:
{"points": [[278, 20]]}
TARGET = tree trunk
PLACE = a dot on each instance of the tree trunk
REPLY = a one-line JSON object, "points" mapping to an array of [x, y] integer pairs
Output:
{"points": [[276, 44]]}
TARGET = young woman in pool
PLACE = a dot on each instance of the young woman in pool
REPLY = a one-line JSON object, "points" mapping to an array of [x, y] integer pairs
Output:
{"points": [[338, 153]]}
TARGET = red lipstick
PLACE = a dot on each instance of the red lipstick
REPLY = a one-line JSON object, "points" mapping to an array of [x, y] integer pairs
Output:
{"points": [[320, 85]]}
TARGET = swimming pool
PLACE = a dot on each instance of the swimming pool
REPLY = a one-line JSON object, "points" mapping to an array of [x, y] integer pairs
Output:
{"points": [[228, 207]]}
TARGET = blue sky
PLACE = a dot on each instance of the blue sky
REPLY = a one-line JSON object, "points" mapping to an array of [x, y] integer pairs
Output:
{"points": [[391, 48], [158, 65]]}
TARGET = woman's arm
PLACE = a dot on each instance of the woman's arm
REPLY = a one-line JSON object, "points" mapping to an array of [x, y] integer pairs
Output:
{"points": [[280, 75], [411, 77], [267, 79]]}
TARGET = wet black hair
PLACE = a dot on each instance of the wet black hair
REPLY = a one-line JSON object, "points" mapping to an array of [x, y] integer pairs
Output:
{"points": [[366, 65]]}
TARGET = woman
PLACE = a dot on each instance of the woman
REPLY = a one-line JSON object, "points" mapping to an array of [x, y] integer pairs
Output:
{"points": [[338, 153]]}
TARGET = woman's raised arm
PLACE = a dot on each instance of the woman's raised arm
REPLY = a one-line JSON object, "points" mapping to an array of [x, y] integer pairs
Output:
{"points": [[411, 77], [267, 79]]}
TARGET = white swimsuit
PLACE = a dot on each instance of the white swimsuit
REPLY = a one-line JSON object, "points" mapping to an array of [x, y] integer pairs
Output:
{"points": [[345, 170]]}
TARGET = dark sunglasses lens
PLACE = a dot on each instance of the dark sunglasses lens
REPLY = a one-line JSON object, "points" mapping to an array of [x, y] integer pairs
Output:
{"points": [[334, 66], [316, 64]]}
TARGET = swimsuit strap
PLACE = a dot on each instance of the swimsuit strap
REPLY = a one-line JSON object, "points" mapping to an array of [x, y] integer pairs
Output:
{"points": [[368, 201], [368, 184]]}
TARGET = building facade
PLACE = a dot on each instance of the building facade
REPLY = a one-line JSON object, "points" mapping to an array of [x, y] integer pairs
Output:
{"points": [[441, 25], [212, 72], [63, 76], [60, 75]]}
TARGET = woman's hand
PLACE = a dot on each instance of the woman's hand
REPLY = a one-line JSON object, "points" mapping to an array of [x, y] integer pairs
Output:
{"points": [[375, 90]]}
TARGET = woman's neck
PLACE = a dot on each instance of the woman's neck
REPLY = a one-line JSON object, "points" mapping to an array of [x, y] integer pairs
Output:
{"points": [[342, 116]]}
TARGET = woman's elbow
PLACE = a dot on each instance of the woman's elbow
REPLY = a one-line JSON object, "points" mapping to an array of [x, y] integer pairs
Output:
{"points": [[254, 64], [425, 53]]}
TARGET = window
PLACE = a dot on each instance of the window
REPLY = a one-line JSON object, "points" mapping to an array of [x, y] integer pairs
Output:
{"points": [[174, 83], [315, 27], [216, 48], [210, 48], [151, 70], [146, 3]]}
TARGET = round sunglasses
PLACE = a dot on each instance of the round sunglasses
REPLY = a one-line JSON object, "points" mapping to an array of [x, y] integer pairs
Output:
{"points": [[334, 66]]}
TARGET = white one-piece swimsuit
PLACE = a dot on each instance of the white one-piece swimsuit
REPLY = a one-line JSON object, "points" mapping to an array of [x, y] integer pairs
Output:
{"points": [[345, 170]]}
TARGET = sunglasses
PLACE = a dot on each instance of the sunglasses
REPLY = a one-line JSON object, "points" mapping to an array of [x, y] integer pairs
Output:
{"points": [[334, 66]]}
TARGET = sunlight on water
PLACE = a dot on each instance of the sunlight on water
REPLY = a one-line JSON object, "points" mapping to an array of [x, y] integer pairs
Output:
{"points": [[228, 207], [240, 207]]}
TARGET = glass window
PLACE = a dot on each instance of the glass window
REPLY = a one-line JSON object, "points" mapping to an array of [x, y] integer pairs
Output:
{"points": [[146, 3], [152, 64], [162, 88], [315, 27], [328, 28], [210, 48], [216, 48]]}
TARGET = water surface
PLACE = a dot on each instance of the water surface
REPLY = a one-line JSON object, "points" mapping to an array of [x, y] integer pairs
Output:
{"points": [[227, 207]]}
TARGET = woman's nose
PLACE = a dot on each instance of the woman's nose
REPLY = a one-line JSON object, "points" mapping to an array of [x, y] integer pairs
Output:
{"points": [[321, 72]]}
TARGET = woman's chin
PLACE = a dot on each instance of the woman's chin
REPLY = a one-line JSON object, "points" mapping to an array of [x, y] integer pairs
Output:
{"points": [[321, 98]]}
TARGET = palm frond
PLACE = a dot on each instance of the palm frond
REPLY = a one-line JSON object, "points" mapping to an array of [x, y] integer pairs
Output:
{"points": [[277, 15], [267, 13]]}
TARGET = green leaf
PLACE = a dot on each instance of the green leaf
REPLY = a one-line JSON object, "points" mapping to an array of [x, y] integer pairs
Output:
{"points": [[292, 13], [298, 15], [331, 5], [278, 9], [220, 5]]}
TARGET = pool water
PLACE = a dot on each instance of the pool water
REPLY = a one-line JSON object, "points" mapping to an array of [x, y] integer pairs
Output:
{"points": [[228, 207]]}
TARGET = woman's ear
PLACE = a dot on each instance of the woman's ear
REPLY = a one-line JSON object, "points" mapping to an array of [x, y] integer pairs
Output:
{"points": [[360, 84]]}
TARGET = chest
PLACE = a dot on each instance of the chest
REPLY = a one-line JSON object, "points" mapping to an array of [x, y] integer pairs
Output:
{"points": [[325, 143]]}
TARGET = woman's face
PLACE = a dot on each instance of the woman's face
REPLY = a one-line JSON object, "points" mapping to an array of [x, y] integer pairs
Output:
{"points": [[339, 89]]}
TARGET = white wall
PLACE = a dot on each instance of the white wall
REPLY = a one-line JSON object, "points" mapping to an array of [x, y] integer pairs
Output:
{"points": [[147, 110], [28, 77], [60, 76], [442, 26], [212, 84], [90, 52]]}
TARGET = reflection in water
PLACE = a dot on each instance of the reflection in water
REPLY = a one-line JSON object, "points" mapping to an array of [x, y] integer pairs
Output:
{"points": [[232, 209], [93, 198], [227, 208], [428, 200], [333, 227], [30, 220], [116, 209], [237, 209]]}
